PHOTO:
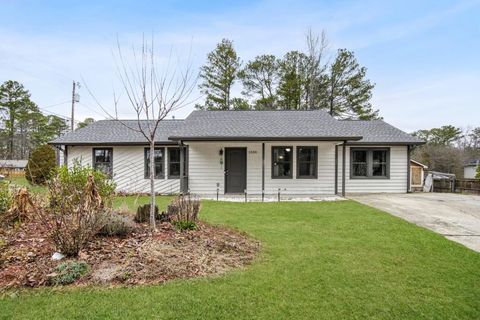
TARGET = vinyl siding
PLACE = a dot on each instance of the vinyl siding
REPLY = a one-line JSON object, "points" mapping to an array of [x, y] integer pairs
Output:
{"points": [[128, 169], [206, 168], [397, 183]]}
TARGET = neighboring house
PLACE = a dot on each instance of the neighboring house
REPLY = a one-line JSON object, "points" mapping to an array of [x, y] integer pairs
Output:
{"points": [[470, 169], [298, 152], [417, 175], [9, 166]]}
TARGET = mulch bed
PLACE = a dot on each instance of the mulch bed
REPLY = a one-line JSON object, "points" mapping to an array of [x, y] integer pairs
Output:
{"points": [[142, 257]]}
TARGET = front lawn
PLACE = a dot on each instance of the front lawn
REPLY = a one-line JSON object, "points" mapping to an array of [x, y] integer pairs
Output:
{"points": [[330, 260]]}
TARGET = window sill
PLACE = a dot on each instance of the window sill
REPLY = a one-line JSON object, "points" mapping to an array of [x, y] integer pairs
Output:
{"points": [[282, 178], [369, 178], [307, 177]]}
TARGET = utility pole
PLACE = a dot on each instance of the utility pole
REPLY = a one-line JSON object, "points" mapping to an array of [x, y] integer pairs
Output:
{"points": [[75, 98]]}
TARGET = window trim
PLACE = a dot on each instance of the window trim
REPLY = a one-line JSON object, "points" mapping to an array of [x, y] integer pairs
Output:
{"points": [[146, 164], [184, 160], [291, 161], [109, 175], [370, 163], [315, 164]]}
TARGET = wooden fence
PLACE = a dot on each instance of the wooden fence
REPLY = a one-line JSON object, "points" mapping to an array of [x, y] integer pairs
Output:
{"points": [[471, 186], [12, 173]]}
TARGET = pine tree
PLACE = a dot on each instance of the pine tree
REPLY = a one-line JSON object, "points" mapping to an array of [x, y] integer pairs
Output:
{"points": [[348, 92], [15, 103], [219, 75], [260, 79], [292, 83]]}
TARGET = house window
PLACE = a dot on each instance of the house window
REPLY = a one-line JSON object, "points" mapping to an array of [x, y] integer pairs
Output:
{"points": [[369, 163], [307, 162], [103, 160], [282, 162], [174, 163], [159, 158]]}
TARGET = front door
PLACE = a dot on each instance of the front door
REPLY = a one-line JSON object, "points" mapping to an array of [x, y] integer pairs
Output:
{"points": [[235, 170]]}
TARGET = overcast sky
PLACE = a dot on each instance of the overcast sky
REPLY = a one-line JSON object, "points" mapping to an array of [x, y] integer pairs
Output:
{"points": [[423, 56]]}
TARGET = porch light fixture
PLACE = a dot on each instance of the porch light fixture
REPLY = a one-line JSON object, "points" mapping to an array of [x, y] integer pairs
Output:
{"points": [[287, 149], [220, 153]]}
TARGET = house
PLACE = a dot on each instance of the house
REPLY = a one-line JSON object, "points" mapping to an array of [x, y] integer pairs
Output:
{"points": [[417, 175], [12, 167], [258, 152], [470, 169]]}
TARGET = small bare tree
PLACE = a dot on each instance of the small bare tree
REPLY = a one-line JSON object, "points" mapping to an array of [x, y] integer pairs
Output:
{"points": [[316, 47], [153, 95]]}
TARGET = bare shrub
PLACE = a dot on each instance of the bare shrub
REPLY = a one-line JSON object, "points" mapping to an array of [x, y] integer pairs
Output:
{"points": [[143, 213], [183, 211], [116, 225], [80, 200]]}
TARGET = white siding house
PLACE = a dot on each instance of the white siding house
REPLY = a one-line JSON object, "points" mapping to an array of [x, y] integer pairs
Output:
{"points": [[257, 152]]}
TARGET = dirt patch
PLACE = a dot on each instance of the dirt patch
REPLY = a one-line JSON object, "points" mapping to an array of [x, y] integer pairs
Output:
{"points": [[140, 258]]}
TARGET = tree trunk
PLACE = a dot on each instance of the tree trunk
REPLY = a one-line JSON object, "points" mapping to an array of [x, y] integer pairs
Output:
{"points": [[152, 184], [11, 134]]}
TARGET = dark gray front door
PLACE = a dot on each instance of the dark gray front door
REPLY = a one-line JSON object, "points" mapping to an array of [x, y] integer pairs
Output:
{"points": [[235, 170]]}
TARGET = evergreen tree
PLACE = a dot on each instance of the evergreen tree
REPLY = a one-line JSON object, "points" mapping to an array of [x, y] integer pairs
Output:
{"points": [[260, 79], [292, 82], [348, 91], [219, 75], [85, 123], [15, 103]]}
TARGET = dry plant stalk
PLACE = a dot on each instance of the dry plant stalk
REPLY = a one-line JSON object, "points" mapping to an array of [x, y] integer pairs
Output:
{"points": [[21, 209], [184, 208], [74, 215]]}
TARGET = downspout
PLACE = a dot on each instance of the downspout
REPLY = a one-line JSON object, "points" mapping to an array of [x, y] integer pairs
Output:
{"points": [[408, 168], [263, 171], [344, 152], [182, 169]]}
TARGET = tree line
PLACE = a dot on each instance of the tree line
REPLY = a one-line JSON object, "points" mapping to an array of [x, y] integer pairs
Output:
{"points": [[448, 148], [23, 126], [297, 81]]}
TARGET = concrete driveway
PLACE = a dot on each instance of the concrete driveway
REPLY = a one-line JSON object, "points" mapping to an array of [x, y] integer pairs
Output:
{"points": [[455, 216]]}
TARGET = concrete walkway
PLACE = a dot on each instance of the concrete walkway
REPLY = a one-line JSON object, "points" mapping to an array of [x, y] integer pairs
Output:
{"points": [[455, 216]]}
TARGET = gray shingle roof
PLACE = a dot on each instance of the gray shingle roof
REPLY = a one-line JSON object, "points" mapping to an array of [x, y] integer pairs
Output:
{"points": [[254, 125], [117, 132], [244, 125], [378, 131]]}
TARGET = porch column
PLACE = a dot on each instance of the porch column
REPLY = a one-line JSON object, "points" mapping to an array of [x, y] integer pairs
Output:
{"points": [[336, 169], [182, 169], [344, 153]]}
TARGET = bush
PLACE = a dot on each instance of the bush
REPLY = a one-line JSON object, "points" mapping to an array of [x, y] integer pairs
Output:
{"points": [[80, 200], [143, 214], [116, 225], [67, 272], [184, 208], [41, 165], [5, 197], [185, 225], [183, 212]]}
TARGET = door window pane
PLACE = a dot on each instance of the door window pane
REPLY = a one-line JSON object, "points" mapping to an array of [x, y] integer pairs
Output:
{"points": [[282, 162]]}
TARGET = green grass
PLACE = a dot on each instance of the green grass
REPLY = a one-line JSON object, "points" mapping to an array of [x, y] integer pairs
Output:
{"points": [[23, 182], [331, 260]]}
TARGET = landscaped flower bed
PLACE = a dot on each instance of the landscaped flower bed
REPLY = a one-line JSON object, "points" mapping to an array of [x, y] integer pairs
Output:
{"points": [[141, 257]]}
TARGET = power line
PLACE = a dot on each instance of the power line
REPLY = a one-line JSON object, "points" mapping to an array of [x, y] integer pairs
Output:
{"points": [[56, 104]]}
